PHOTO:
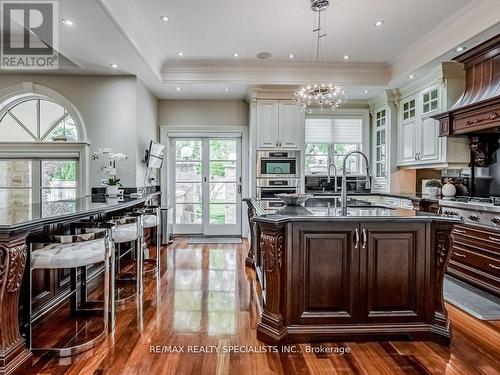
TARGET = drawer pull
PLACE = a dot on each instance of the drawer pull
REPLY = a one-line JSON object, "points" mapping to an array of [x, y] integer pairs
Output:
{"points": [[459, 255], [459, 231], [494, 239], [493, 266]]}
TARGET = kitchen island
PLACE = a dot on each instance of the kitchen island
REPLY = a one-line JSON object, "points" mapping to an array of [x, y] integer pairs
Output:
{"points": [[373, 274]]}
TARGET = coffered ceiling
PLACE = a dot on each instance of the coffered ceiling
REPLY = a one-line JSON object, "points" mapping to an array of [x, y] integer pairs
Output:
{"points": [[208, 34]]}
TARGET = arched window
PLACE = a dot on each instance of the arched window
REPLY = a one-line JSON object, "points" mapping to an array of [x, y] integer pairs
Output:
{"points": [[36, 119], [43, 153]]}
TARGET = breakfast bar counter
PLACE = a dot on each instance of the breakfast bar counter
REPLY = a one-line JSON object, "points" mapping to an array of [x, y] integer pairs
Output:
{"points": [[374, 273], [17, 221]]}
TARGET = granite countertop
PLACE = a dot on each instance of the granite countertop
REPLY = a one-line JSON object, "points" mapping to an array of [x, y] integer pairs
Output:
{"points": [[356, 213], [19, 216]]}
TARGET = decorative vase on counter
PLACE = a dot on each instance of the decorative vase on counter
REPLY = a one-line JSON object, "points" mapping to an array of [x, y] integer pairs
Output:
{"points": [[448, 190], [112, 190], [433, 191]]}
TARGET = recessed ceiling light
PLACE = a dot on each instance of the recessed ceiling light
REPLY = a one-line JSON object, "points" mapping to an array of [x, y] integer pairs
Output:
{"points": [[236, 54], [114, 66], [177, 89], [461, 48], [366, 91], [411, 76], [227, 89], [67, 22], [379, 23], [291, 56], [346, 57], [180, 54], [165, 18]]}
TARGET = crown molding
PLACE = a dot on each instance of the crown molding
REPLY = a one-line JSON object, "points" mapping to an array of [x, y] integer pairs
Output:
{"points": [[270, 73], [132, 28], [469, 21]]}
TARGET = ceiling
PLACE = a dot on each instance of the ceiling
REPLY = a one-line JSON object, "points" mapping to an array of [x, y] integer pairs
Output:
{"points": [[131, 34]]}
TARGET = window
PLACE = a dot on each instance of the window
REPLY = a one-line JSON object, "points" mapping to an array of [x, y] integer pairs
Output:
{"points": [[36, 162], [35, 119], [27, 181], [329, 140], [430, 101], [409, 109]]}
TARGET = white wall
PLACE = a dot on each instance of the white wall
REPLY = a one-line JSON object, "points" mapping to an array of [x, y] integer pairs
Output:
{"points": [[203, 112], [118, 112], [146, 129]]}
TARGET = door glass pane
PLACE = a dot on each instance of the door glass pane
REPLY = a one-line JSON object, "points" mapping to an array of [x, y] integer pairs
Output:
{"points": [[187, 150], [188, 193], [222, 213], [222, 149], [223, 171], [188, 213], [11, 131], [222, 192], [26, 113], [188, 171], [50, 113]]}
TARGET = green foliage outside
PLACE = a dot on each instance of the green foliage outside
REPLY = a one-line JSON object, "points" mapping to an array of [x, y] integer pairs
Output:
{"points": [[66, 171]]}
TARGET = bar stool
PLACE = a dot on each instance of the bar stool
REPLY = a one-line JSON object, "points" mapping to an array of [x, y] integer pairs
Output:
{"points": [[151, 219], [74, 251], [128, 229]]}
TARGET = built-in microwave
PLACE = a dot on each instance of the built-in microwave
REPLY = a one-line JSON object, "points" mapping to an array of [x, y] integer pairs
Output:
{"points": [[276, 164]]}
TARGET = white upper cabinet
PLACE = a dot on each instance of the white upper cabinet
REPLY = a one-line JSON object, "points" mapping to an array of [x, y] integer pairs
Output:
{"points": [[280, 125], [267, 124], [407, 131], [384, 142], [419, 144]]}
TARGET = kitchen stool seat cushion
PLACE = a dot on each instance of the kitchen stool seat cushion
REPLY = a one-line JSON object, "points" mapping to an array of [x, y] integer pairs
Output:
{"points": [[69, 255], [149, 221], [125, 233]]}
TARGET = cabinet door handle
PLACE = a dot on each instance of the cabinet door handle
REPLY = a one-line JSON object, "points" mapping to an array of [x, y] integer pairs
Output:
{"points": [[356, 238], [493, 266], [365, 239], [459, 255], [494, 239]]}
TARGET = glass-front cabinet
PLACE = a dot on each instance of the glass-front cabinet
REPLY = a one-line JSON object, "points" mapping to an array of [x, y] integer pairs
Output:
{"points": [[381, 124], [419, 144]]}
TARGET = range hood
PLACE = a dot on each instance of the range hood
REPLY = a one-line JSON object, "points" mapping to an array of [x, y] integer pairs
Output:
{"points": [[477, 113]]}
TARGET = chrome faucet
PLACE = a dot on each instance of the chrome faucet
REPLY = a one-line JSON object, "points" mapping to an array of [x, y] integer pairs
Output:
{"points": [[343, 204], [335, 175]]}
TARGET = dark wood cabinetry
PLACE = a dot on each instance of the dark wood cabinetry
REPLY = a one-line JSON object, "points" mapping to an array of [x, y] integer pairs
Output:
{"points": [[325, 274], [393, 272], [476, 257]]}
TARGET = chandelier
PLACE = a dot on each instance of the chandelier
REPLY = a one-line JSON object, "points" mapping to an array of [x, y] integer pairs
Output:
{"points": [[324, 95]]}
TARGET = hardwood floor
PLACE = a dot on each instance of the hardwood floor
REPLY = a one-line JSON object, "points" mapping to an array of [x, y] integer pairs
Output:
{"points": [[208, 299]]}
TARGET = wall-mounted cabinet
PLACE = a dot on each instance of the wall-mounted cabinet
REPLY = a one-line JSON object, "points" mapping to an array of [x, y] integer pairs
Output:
{"points": [[279, 125], [384, 122], [419, 144]]}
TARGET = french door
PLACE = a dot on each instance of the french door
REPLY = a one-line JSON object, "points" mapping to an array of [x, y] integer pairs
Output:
{"points": [[206, 178]]}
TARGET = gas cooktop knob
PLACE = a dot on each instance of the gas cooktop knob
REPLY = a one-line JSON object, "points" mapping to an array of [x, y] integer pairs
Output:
{"points": [[496, 220], [474, 217]]}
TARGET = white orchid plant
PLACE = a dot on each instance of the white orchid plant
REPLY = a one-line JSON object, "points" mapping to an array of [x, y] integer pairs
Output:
{"points": [[109, 170]]}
